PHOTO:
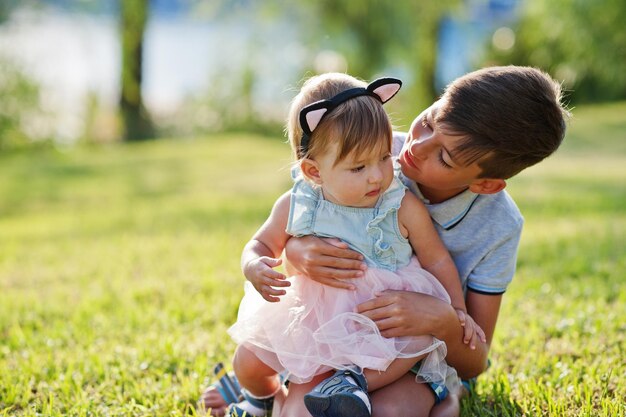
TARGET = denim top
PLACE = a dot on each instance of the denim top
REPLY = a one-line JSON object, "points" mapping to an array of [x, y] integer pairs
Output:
{"points": [[374, 232]]}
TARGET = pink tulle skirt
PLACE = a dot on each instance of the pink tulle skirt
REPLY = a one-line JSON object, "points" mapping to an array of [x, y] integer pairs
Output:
{"points": [[314, 328]]}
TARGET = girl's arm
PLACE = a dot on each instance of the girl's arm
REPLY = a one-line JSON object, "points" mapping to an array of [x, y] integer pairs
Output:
{"points": [[432, 254], [262, 253], [434, 257]]}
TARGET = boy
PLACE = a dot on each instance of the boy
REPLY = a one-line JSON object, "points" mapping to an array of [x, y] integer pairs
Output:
{"points": [[488, 126]]}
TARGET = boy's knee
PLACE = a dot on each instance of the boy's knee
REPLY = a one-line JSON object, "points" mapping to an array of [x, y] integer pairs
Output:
{"points": [[386, 410], [449, 407], [419, 405]]}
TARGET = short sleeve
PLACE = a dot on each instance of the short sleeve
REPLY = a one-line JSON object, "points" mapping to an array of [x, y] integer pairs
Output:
{"points": [[303, 205], [493, 274]]}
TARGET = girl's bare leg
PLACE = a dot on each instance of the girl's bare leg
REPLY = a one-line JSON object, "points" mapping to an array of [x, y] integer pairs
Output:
{"points": [[253, 374], [395, 371]]}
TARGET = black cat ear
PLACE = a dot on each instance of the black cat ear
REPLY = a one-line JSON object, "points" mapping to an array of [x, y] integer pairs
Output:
{"points": [[311, 115], [385, 88]]}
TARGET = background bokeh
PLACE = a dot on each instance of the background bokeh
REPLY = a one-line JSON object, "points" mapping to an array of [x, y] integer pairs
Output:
{"points": [[101, 70], [142, 144]]}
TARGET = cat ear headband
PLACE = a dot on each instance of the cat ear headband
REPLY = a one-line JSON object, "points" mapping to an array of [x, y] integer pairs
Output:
{"points": [[310, 116]]}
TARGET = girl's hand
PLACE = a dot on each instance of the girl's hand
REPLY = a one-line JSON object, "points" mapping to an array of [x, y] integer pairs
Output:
{"points": [[261, 274], [471, 330], [327, 261]]}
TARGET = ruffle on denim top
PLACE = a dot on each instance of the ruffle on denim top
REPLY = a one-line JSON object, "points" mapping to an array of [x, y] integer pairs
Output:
{"points": [[374, 231]]}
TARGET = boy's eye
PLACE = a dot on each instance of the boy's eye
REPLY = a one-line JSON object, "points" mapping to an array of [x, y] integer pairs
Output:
{"points": [[358, 169], [442, 161], [425, 123]]}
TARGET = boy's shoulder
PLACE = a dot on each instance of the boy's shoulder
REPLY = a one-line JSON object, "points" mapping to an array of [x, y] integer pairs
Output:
{"points": [[498, 209], [397, 142]]}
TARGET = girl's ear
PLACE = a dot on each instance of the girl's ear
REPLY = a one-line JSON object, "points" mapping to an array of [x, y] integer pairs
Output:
{"points": [[310, 170], [487, 186]]}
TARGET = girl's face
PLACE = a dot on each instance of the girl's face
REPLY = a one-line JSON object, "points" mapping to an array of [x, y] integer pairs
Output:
{"points": [[356, 181], [427, 158]]}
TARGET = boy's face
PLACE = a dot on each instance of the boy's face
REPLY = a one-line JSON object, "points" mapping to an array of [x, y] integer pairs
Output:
{"points": [[427, 157], [356, 181]]}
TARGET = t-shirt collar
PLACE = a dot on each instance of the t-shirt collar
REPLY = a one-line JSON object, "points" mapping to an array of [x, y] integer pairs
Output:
{"points": [[450, 212]]}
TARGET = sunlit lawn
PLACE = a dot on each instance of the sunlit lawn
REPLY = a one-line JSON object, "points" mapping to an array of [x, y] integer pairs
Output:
{"points": [[119, 274]]}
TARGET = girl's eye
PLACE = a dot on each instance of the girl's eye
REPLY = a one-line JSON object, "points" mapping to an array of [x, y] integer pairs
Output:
{"points": [[384, 158], [442, 161], [425, 123], [358, 169]]}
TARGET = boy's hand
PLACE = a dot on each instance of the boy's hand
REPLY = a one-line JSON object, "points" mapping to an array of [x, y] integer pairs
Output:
{"points": [[211, 400], [407, 313], [471, 330], [327, 261], [261, 274]]}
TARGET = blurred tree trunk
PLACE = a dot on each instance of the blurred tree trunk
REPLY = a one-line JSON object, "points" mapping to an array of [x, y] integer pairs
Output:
{"points": [[136, 120]]}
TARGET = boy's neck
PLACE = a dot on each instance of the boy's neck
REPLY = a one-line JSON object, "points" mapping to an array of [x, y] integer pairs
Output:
{"points": [[436, 196]]}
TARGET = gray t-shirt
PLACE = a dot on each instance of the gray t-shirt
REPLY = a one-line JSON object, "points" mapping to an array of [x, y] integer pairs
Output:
{"points": [[481, 232]]}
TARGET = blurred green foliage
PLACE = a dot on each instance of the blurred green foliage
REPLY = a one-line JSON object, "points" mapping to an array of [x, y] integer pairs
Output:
{"points": [[19, 106], [6, 6], [582, 43]]}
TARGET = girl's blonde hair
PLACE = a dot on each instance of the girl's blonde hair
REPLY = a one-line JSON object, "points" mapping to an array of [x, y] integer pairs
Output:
{"points": [[357, 125]]}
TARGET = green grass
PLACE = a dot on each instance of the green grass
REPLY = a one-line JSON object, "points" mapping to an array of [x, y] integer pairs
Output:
{"points": [[119, 275]]}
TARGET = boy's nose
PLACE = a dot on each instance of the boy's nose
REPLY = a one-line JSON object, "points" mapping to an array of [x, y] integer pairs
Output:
{"points": [[419, 148]]}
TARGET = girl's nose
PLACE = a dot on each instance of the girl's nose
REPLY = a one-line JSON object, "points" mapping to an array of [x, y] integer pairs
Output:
{"points": [[376, 175]]}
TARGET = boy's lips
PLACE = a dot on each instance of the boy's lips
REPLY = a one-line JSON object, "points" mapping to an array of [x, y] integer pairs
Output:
{"points": [[408, 160], [373, 193]]}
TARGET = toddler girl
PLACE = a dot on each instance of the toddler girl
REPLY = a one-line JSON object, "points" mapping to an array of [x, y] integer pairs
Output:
{"points": [[346, 188]]}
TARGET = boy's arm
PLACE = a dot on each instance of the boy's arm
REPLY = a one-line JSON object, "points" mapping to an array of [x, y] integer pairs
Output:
{"points": [[486, 285], [406, 313], [401, 313], [262, 253], [484, 309], [332, 264]]}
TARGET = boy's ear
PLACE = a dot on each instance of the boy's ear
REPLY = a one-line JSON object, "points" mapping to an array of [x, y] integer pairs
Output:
{"points": [[310, 170], [487, 186]]}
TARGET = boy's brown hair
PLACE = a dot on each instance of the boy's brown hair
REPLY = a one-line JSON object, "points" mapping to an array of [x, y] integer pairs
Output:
{"points": [[355, 125], [509, 117]]}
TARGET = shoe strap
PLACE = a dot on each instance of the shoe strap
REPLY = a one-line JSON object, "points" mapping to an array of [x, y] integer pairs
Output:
{"points": [[357, 374]]}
